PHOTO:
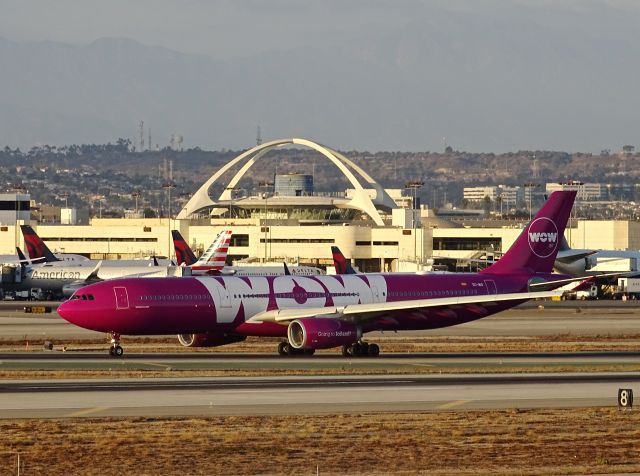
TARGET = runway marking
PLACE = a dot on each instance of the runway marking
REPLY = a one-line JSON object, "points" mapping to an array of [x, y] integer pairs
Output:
{"points": [[453, 404], [88, 411], [153, 364]]}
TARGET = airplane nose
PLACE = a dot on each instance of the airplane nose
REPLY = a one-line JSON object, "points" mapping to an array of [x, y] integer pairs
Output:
{"points": [[68, 313], [72, 311]]}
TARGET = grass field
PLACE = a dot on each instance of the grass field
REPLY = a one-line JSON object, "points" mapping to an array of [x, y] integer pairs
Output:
{"points": [[548, 442], [388, 343]]}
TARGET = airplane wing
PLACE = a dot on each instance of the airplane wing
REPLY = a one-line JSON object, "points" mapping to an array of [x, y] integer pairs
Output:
{"points": [[591, 277], [569, 256], [358, 313]]}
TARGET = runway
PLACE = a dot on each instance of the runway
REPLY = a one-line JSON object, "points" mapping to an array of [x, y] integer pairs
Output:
{"points": [[577, 318], [307, 395], [491, 387]]}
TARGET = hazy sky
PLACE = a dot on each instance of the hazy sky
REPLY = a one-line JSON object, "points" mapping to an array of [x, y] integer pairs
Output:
{"points": [[230, 28], [490, 75]]}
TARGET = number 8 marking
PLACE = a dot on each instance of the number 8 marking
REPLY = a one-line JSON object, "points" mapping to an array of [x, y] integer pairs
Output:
{"points": [[623, 398]]}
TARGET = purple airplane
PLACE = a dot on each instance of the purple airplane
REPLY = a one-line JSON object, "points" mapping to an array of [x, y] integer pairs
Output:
{"points": [[320, 312]]}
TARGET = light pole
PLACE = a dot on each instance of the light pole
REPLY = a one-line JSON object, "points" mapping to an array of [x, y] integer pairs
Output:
{"points": [[168, 186], [571, 185], [18, 188], [135, 195], [65, 197], [414, 185], [530, 186], [265, 195]]}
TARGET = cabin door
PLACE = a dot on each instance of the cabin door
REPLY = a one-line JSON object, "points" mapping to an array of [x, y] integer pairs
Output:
{"points": [[375, 293], [223, 296], [490, 284], [122, 298]]}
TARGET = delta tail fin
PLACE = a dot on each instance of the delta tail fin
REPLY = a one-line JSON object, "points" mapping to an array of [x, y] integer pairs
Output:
{"points": [[536, 248], [342, 264], [184, 254], [35, 246]]}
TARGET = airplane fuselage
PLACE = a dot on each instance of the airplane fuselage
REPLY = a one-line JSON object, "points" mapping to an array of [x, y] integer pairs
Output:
{"points": [[156, 306], [54, 278], [201, 270]]}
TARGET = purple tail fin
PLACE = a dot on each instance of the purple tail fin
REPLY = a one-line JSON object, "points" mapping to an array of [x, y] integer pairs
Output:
{"points": [[536, 248]]}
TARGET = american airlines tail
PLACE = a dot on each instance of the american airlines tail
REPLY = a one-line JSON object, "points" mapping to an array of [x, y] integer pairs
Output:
{"points": [[536, 248], [182, 249], [35, 246], [216, 254]]}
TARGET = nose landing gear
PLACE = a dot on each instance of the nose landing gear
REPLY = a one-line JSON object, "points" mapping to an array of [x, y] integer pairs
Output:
{"points": [[115, 350], [360, 349]]}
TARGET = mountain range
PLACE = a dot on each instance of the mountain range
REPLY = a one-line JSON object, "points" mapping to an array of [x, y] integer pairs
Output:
{"points": [[470, 80]]}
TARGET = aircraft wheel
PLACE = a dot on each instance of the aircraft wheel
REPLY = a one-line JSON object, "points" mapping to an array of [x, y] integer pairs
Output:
{"points": [[373, 350], [111, 351], [118, 351], [347, 350], [356, 350], [289, 350], [309, 351], [283, 348]]}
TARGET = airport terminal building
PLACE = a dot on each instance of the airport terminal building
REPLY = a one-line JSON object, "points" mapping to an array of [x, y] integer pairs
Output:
{"points": [[377, 228]]}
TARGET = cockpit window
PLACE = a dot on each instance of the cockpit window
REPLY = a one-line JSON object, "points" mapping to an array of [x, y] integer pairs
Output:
{"points": [[84, 297]]}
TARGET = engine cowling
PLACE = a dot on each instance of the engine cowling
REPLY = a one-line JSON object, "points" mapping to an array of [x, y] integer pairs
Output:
{"points": [[209, 339], [317, 333]]}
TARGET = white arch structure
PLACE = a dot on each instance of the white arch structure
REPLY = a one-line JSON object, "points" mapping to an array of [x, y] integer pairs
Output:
{"points": [[361, 199]]}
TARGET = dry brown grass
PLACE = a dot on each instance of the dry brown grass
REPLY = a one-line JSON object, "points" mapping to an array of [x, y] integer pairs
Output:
{"points": [[388, 343], [474, 442], [115, 373]]}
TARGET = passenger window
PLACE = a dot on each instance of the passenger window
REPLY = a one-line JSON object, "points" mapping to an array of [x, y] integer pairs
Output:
{"points": [[90, 296]]}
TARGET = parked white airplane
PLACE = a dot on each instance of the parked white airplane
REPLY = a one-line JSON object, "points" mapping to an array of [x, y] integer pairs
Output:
{"points": [[588, 262], [213, 261]]}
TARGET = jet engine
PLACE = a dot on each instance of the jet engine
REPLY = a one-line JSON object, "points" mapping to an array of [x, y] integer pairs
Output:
{"points": [[319, 333], [209, 339]]}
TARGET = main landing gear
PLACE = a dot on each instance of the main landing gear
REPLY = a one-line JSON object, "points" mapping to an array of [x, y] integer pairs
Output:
{"points": [[115, 350], [284, 348], [360, 349]]}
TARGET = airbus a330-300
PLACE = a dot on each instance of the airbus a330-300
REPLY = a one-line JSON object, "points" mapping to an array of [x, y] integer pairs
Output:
{"points": [[319, 312]]}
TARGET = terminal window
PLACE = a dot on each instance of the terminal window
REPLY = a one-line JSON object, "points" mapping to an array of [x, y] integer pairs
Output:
{"points": [[468, 244], [239, 240]]}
